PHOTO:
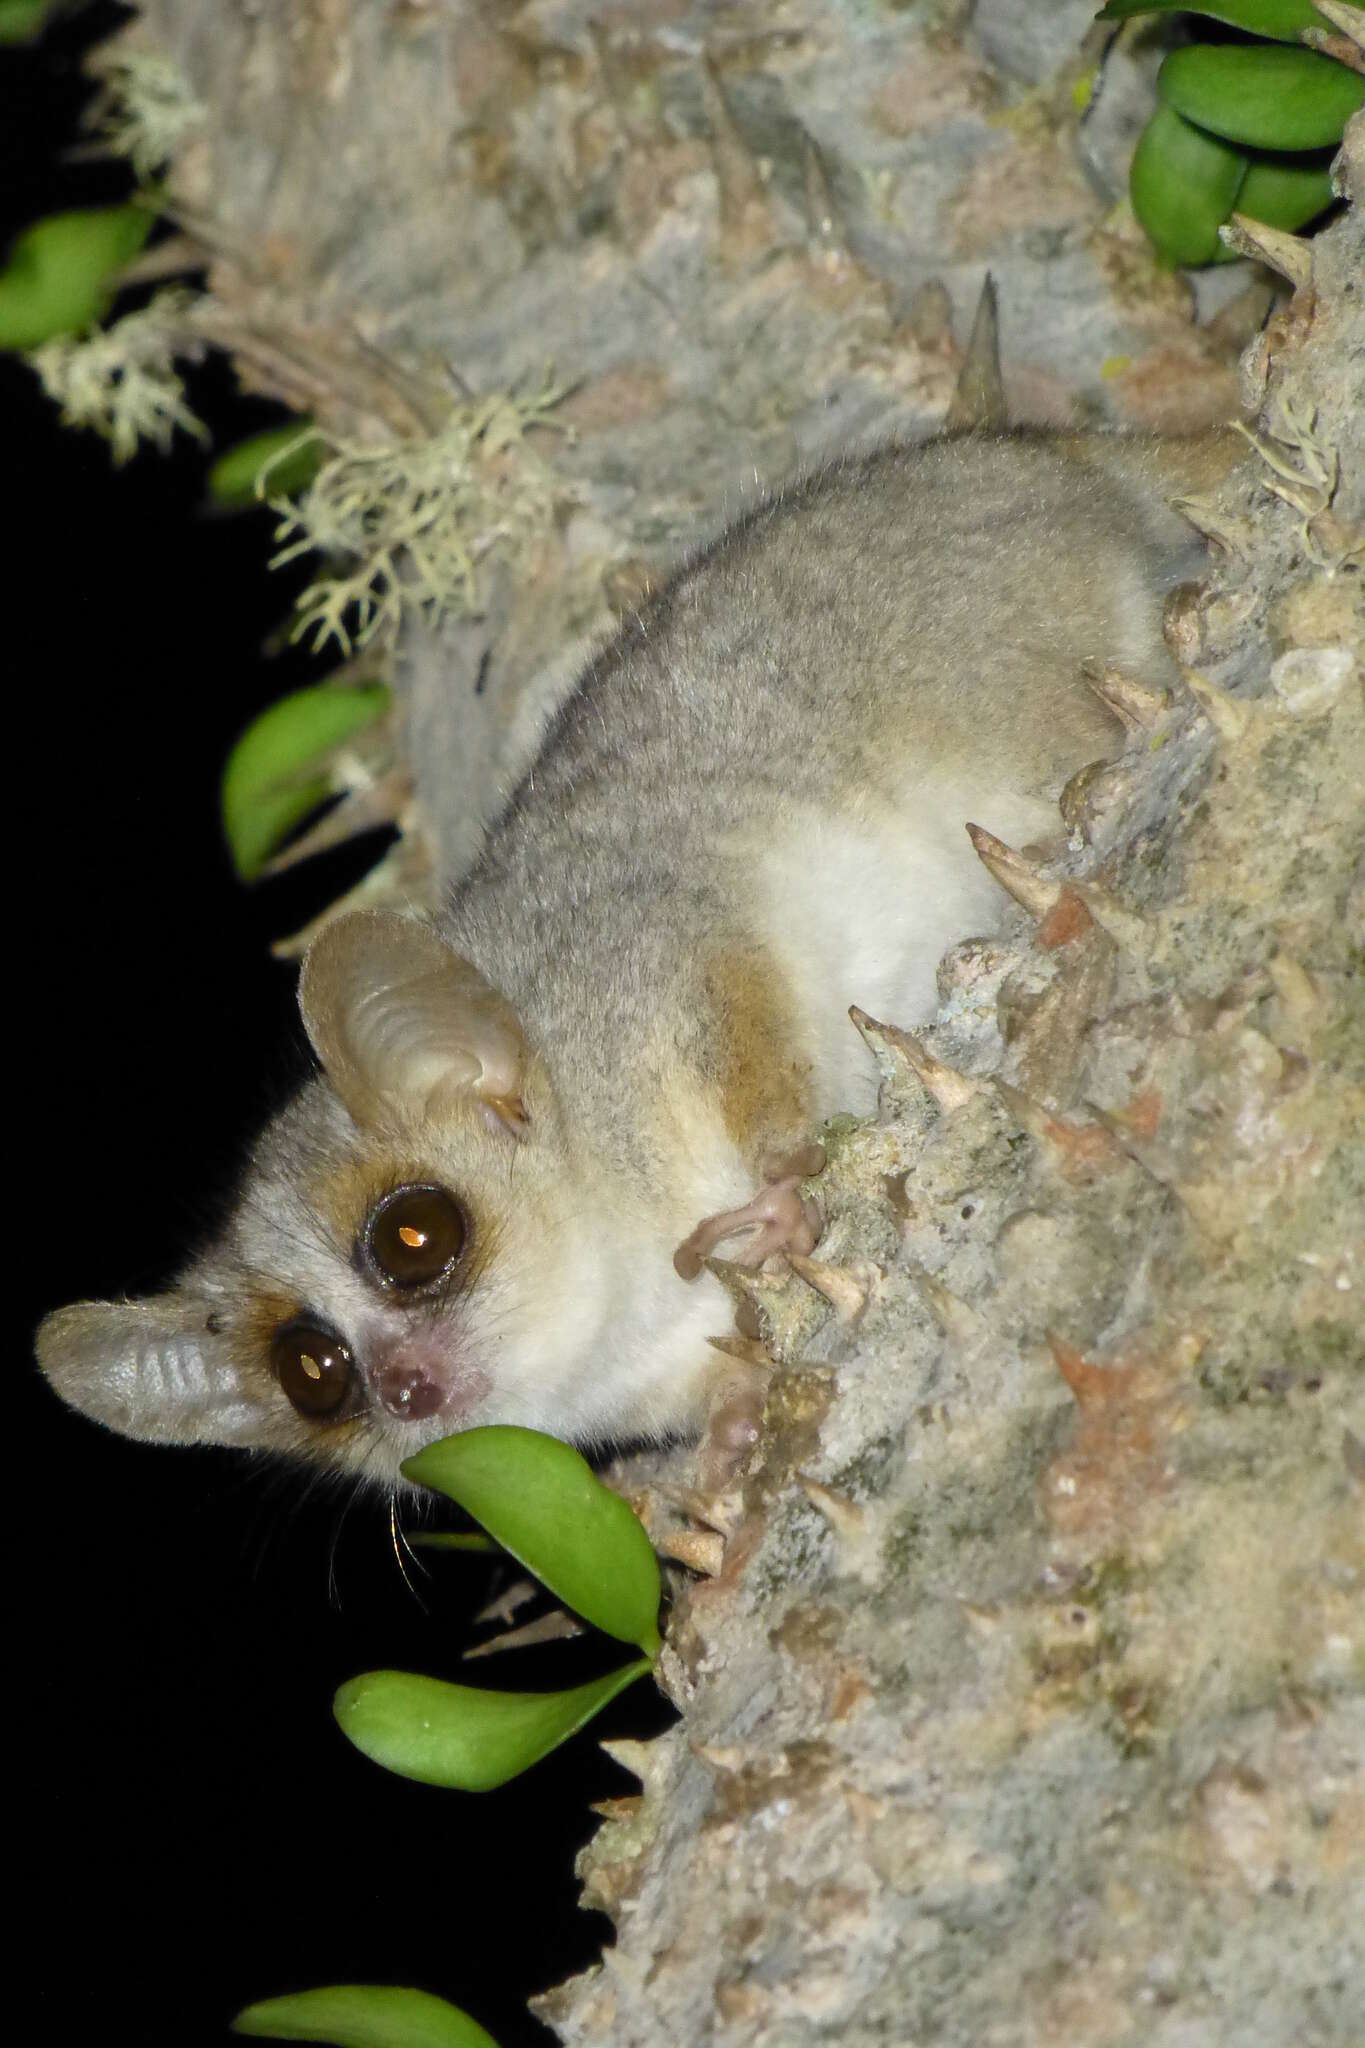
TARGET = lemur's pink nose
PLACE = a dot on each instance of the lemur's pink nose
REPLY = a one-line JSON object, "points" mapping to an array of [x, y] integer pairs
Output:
{"points": [[421, 1375], [408, 1390]]}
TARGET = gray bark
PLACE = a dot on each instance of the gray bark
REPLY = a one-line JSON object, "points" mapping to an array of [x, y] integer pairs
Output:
{"points": [[1024, 1704]]}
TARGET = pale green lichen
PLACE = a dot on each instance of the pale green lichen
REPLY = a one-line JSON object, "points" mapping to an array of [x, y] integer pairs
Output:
{"points": [[418, 517], [121, 380], [150, 108]]}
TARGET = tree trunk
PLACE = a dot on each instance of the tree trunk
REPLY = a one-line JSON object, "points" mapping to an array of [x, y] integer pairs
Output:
{"points": [[1026, 1703]]}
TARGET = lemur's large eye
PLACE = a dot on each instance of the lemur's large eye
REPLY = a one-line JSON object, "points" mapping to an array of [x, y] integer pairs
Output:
{"points": [[314, 1368], [415, 1236]]}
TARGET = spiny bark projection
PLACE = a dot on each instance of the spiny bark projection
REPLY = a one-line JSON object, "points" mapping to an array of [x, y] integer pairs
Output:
{"points": [[1026, 1701]]}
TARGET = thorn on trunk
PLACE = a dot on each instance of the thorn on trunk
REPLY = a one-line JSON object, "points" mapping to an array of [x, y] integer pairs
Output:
{"points": [[1089, 1383], [1081, 1150], [554, 1627], [901, 1056], [701, 1550], [979, 397], [949, 1311], [1229, 718], [647, 1761], [747, 1350], [824, 224], [1135, 703], [744, 209], [844, 1516], [1127, 928], [399, 875], [841, 1286], [1182, 621], [617, 1809], [1127, 1130], [1020, 878], [382, 802], [1289, 254], [1350, 20], [719, 1509], [1234, 536]]}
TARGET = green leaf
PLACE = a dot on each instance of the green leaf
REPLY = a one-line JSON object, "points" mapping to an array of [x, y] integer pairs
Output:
{"points": [[276, 773], [1281, 20], [283, 462], [465, 1737], [449, 1539], [364, 2016], [543, 1502], [1265, 98], [60, 275], [21, 21], [1184, 183], [1285, 194]]}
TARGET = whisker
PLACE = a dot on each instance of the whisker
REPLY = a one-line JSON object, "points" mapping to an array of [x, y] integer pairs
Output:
{"points": [[401, 1545]]}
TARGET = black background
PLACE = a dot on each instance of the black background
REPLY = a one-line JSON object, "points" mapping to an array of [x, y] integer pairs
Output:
{"points": [[198, 1834]]}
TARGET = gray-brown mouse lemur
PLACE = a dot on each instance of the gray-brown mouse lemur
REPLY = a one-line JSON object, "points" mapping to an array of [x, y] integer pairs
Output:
{"points": [[540, 1108]]}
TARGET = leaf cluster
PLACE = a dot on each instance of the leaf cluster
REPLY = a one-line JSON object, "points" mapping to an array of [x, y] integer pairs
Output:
{"points": [[539, 1500], [288, 762], [1240, 126]]}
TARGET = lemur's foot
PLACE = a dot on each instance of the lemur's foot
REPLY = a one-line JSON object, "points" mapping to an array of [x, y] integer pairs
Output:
{"points": [[779, 1219]]}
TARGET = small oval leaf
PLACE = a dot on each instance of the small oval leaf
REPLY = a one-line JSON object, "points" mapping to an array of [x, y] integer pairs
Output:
{"points": [[543, 1502], [1283, 21], [465, 1737], [1284, 193], [1265, 98], [59, 277], [277, 464], [22, 21], [276, 774], [363, 2016], [1183, 184]]}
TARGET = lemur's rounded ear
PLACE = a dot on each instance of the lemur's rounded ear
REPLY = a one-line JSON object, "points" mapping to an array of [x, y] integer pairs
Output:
{"points": [[404, 1027], [154, 1370]]}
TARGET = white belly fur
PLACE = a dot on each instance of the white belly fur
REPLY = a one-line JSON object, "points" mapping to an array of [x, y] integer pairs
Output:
{"points": [[861, 910]]}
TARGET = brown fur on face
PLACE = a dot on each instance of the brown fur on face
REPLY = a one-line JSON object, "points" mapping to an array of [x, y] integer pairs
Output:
{"points": [[251, 1329], [344, 1193], [248, 1333]]}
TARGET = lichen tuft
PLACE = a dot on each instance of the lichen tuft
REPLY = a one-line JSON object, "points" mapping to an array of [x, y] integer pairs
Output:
{"points": [[121, 381], [416, 518]]}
